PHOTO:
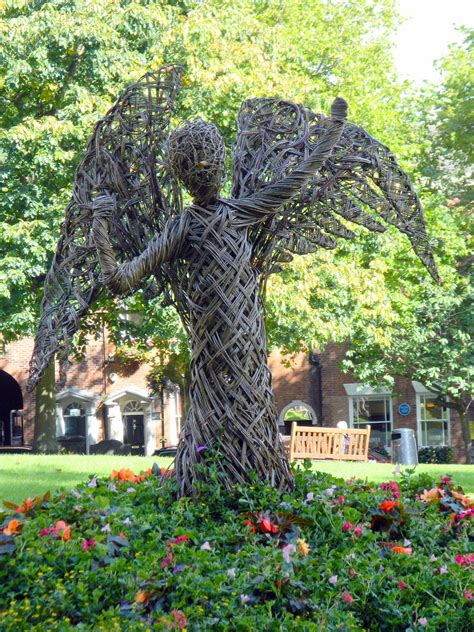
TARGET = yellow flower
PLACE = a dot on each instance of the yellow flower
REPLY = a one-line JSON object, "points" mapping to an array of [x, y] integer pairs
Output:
{"points": [[303, 547]]}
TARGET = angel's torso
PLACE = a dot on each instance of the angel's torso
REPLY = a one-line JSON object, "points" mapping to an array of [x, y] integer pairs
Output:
{"points": [[218, 283]]}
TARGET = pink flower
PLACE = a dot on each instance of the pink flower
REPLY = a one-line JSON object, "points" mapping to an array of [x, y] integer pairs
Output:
{"points": [[468, 595], [352, 572], [464, 560], [287, 552], [402, 585], [358, 531], [423, 621], [46, 531], [392, 486], [181, 538], [340, 500], [348, 525], [89, 545], [347, 598]]}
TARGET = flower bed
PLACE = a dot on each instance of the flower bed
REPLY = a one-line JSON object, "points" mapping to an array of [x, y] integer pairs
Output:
{"points": [[122, 554]]}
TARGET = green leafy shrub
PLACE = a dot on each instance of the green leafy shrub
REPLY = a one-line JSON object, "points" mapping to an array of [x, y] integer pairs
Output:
{"points": [[124, 554], [435, 454]]}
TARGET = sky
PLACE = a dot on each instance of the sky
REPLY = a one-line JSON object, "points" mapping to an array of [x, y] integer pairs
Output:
{"points": [[426, 34]]}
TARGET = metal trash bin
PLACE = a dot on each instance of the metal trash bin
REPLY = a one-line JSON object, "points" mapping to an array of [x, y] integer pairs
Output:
{"points": [[404, 450]]}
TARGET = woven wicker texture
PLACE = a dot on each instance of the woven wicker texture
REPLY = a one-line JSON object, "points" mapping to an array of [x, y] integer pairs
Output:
{"points": [[295, 173]]}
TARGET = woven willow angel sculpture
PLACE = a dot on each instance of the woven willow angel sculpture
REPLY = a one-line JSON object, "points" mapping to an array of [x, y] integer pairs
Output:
{"points": [[295, 174]]}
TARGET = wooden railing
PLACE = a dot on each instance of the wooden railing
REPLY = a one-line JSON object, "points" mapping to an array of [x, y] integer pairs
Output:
{"points": [[347, 444]]}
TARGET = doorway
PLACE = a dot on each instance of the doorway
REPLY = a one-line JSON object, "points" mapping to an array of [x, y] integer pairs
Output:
{"points": [[134, 426], [11, 405]]}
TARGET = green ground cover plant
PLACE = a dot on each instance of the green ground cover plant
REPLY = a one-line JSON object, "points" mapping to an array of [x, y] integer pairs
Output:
{"points": [[119, 552]]}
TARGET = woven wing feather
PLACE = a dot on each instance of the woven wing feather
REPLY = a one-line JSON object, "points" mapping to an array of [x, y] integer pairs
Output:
{"points": [[361, 183], [126, 158]]}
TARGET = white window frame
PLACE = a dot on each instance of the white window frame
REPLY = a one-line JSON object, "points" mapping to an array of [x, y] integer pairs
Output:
{"points": [[359, 391], [423, 393]]}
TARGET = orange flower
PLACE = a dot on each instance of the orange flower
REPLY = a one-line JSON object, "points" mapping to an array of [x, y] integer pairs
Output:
{"points": [[403, 550], [464, 500], [26, 505], [142, 597], [250, 526], [388, 505], [13, 527], [124, 475], [62, 530], [431, 495]]}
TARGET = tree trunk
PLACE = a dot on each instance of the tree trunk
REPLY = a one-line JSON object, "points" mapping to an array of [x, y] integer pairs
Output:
{"points": [[45, 440], [466, 434]]}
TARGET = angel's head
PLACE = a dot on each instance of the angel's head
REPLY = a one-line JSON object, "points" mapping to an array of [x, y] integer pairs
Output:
{"points": [[197, 155]]}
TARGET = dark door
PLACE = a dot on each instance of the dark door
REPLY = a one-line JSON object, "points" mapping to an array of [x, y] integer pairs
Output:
{"points": [[134, 433], [11, 399]]}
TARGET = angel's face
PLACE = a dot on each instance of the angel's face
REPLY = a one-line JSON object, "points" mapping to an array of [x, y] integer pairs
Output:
{"points": [[197, 154]]}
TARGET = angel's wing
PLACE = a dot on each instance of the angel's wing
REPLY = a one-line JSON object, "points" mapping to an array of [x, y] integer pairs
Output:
{"points": [[126, 158], [360, 182]]}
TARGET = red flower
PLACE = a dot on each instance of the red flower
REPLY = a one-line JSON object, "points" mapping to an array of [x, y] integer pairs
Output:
{"points": [[167, 560], [347, 598], [468, 595], [388, 505], [352, 572], [266, 526], [391, 487], [357, 531], [347, 526], [179, 618], [402, 585], [181, 538], [250, 526]]}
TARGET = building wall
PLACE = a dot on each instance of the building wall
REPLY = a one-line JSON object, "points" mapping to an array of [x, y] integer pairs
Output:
{"points": [[317, 381]]}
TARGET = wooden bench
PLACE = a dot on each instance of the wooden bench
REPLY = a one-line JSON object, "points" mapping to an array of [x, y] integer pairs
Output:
{"points": [[348, 444]]}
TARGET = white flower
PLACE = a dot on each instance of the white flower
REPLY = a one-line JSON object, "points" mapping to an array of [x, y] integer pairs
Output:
{"points": [[406, 542], [244, 598], [75, 493], [287, 552], [92, 482], [333, 580], [443, 570], [231, 572], [433, 558], [131, 490], [127, 522], [106, 528], [206, 546], [310, 496], [112, 487]]}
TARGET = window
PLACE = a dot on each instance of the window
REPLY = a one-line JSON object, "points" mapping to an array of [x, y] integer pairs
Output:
{"points": [[433, 421], [298, 411], [3, 349], [75, 420], [376, 412]]}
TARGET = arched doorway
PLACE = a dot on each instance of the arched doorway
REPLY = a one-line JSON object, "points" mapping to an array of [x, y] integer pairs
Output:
{"points": [[11, 404], [133, 421]]}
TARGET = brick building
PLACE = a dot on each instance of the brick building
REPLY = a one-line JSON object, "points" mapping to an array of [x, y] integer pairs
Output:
{"points": [[106, 399]]}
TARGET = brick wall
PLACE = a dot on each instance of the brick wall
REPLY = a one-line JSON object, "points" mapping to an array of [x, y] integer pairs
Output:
{"points": [[294, 378]]}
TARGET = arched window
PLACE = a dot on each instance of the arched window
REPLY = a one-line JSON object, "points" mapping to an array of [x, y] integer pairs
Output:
{"points": [[133, 407], [75, 420], [298, 411]]}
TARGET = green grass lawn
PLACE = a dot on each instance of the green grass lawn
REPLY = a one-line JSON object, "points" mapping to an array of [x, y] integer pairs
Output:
{"points": [[29, 475]]}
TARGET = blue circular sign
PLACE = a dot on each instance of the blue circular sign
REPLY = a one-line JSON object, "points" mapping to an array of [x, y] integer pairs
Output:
{"points": [[404, 409]]}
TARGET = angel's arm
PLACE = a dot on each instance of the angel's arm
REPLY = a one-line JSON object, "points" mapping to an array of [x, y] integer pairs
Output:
{"points": [[257, 207], [124, 277]]}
